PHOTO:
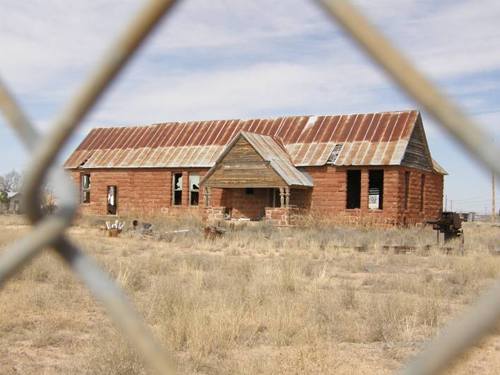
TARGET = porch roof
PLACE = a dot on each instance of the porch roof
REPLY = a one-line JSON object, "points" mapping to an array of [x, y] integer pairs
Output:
{"points": [[271, 151]]}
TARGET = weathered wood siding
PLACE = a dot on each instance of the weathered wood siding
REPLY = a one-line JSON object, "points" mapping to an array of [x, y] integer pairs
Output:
{"points": [[417, 152], [243, 167]]}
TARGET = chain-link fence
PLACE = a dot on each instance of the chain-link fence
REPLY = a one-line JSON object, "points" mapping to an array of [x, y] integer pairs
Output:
{"points": [[49, 230]]}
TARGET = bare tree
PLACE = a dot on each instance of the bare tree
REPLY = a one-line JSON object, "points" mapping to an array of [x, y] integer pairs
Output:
{"points": [[10, 182]]}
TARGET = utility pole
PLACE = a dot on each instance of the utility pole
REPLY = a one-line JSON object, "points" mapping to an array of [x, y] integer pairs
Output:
{"points": [[493, 194]]}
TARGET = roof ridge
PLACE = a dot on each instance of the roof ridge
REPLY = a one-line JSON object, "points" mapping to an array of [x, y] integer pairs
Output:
{"points": [[192, 122]]}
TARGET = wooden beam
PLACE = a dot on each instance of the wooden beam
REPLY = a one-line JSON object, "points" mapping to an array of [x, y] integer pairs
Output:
{"points": [[208, 196]]}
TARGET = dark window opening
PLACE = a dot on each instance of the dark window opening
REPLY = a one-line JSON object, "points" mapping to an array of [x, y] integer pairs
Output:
{"points": [[353, 189], [177, 189], [407, 189], [112, 200], [195, 198], [422, 191], [85, 188], [335, 153], [249, 191], [376, 189], [194, 189]]}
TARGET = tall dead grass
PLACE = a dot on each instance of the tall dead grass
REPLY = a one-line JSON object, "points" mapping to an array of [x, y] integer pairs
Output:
{"points": [[258, 300]]}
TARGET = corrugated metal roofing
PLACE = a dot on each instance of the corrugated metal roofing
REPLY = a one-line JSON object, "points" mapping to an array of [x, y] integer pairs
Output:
{"points": [[366, 139]]}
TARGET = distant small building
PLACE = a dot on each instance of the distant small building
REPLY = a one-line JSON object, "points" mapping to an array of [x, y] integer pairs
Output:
{"points": [[361, 168], [14, 202], [467, 216]]}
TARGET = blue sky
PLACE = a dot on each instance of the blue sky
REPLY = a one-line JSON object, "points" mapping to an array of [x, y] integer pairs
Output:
{"points": [[240, 59]]}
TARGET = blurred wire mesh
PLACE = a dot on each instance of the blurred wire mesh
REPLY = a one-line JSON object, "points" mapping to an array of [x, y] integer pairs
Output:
{"points": [[49, 231]]}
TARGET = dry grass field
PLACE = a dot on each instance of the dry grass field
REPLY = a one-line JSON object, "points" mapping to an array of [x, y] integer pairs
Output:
{"points": [[257, 301]]}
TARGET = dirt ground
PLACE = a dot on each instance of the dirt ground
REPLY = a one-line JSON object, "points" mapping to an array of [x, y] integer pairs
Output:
{"points": [[259, 300]]}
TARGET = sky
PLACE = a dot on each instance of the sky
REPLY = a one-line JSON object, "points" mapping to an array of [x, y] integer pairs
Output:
{"points": [[221, 59]]}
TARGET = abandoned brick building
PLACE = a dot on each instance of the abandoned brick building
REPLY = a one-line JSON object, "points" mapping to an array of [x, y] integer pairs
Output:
{"points": [[365, 168]]}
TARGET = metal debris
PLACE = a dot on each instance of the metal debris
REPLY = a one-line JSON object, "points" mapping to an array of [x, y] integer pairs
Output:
{"points": [[212, 232], [450, 224]]}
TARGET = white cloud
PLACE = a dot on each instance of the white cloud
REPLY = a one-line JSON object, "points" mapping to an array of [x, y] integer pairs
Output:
{"points": [[42, 42], [48, 47], [445, 39], [238, 58], [242, 91]]}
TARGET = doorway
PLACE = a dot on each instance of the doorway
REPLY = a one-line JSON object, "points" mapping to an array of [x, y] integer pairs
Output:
{"points": [[112, 200]]}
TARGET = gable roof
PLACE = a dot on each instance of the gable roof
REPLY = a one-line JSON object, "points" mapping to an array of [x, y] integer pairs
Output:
{"points": [[360, 139], [271, 151], [438, 168]]}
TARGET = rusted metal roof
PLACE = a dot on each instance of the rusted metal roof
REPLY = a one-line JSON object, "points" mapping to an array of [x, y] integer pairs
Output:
{"points": [[364, 139]]}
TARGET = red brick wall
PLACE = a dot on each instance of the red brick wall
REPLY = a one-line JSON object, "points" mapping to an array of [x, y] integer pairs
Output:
{"points": [[140, 191], [279, 216], [245, 205], [149, 191], [301, 198], [433, 196], [328, 198]]}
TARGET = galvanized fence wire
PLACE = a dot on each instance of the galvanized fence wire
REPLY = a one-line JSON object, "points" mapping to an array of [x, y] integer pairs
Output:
{"points": [[49, 230], [461, 334]]}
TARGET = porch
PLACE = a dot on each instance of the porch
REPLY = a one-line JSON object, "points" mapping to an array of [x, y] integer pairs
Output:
{"points": [[257, 180], [256, 204]]}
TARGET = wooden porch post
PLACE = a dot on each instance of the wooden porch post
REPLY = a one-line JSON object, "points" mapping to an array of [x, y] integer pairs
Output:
{"points": [[287, 197], [208, 196], [282, 197]]}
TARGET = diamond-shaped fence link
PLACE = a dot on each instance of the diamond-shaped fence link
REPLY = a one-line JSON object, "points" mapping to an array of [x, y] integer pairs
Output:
{"points": [[49, 230]]}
